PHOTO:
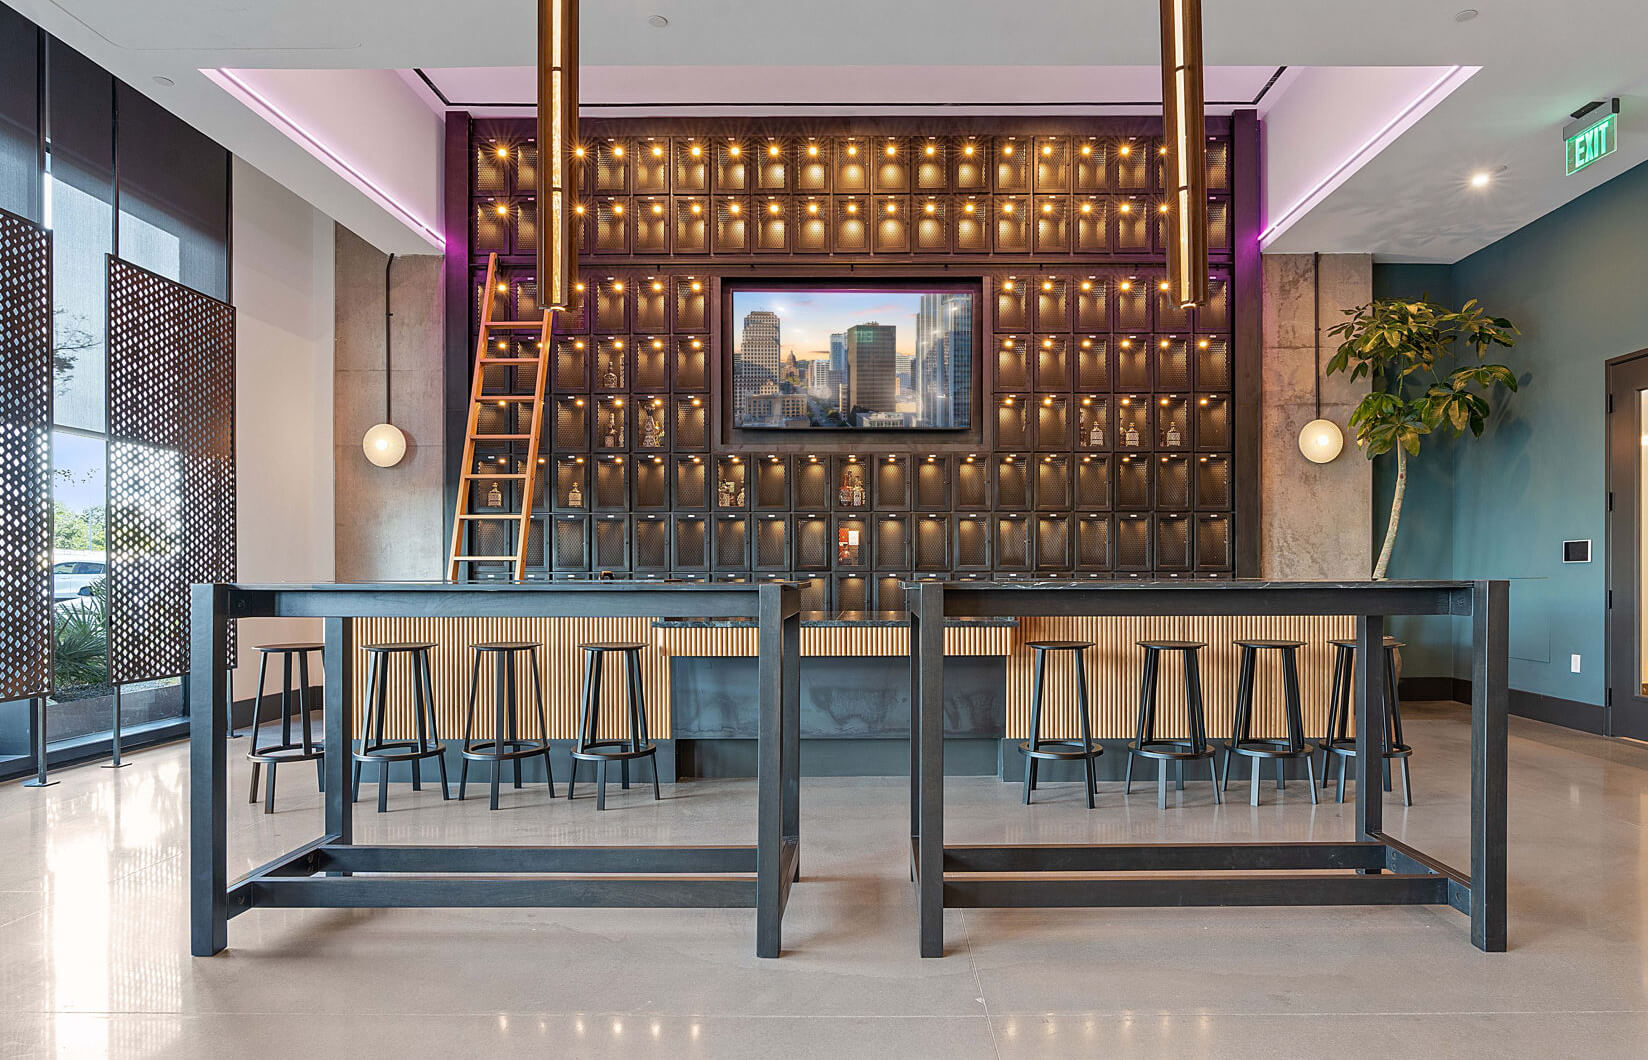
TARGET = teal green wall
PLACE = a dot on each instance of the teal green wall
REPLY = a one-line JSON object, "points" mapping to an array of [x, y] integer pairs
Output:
{"points": [[1573, 281]]}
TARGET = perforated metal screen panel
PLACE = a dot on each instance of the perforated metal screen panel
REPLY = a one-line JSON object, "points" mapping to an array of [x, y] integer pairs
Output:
{"points": [[171, 464], [25, 458]]}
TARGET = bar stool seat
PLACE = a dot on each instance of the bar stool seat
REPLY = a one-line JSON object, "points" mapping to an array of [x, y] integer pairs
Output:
{"points": [[1337, 741], [373, 745], [304, 749], [1278, 749], [590, 747], [1036, 749], [506, 744]]}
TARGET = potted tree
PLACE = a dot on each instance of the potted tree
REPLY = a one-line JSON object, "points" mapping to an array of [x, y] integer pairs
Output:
{"points": [[1404, 349]]}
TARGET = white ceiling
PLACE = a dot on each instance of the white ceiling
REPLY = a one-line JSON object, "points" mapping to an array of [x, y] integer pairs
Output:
{"points": [[1411, 201]]}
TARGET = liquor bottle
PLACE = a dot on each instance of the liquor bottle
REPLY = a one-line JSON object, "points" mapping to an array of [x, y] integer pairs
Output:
{"points": [[858, 493], [1172, 438], [575, 495], [740, 502], [1095, 434], [494, 497], [1131, 437], [844, 496]]}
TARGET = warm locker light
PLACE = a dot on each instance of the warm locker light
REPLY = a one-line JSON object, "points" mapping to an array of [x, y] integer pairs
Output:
{"points": [[618, 209], [657, 152], [578, 152], [735, 150], [1087, 401], [1046, 149], [1047, 402], [930, 150], [891, 150], [503, 152], [617, 150], [695, 151], [1007, 285], [503, 288], [579, 210], [1124, 150], [734, 208], [1125, 285], [697, 209], [772, 207], [969, 208], [1126, 207], [1202, 344], [1164, 286], [931, 207], [772, 150], [892, 208], [812, 150], [618, 286], [1087, 149], [1047, 285], [1046, 207], [697, 286], [579, 288], [657, 287], [1086, 207], [503, 211], [1007, 149], [657, 344], [1008, 343], [1087, 285], [657, 208], [968, 150], [852, 150], [1161, 208], [852, 207], [1007, 207], [1166, 343], [812, 207]]}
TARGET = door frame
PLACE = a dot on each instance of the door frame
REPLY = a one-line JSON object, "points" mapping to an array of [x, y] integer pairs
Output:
{"points": [[1618, 641]]}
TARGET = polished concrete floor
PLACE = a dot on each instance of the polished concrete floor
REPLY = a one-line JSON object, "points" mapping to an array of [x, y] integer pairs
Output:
{"points": [[94, 954]]}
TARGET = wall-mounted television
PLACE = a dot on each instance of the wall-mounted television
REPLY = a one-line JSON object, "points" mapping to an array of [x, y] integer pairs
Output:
{"points": [[890, 355]]}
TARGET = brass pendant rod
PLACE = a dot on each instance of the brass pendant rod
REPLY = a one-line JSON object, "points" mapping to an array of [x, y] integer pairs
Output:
{"points": [[1184, 137]]}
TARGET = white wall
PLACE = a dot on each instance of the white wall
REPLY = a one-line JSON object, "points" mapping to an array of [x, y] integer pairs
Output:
{"points": [[284, 296]]}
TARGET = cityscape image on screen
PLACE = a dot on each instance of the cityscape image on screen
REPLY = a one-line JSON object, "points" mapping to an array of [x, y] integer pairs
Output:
{"points": [[894, 359]]}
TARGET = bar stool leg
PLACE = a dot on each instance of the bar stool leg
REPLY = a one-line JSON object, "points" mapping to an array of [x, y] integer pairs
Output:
{"points": [[469, 727], [305, 692], [1198, 715], [1086, 732], [1244, 692], [383, 715], [1035, 726], [623, 764], [514, 716], [594, 733], [583, 720], [434, 728], [1141, 731], [543, 722], [501, 675], [372, 680], [257, 706], [638, 712], [1339, 794], [418, 723]]}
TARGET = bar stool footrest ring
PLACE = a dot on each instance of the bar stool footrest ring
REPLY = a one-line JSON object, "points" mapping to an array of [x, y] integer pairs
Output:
{"points": [[386, 752], [1060, 750], [286, 752], [1169, 750], [516, 749], [620, 753], [1271, 749]]}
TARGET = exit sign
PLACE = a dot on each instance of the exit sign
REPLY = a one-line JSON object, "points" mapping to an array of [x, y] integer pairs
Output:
{"points": [[1593, 134]]}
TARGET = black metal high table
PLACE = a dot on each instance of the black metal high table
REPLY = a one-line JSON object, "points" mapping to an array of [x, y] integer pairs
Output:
{"points": [[320, 873], [1379, 870]]}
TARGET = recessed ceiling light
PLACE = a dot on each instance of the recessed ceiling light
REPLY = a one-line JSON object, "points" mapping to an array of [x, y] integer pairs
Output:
{"points": [[1466, 15], [164, 81], [659, 21], [1481, 179]]}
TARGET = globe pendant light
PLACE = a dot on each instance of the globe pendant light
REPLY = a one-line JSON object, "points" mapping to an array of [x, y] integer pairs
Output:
{"points": [[384, 443], [1320, 440]]}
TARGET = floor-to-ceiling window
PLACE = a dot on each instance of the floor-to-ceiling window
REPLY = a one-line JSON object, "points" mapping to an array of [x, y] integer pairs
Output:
{"points": [[108, 171]]}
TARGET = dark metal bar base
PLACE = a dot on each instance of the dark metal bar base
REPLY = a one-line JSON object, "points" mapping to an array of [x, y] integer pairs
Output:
{"points": [[1282, 874], [505, 876]]}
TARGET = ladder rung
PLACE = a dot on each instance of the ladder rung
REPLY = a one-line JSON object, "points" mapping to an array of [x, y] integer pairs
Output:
{"points": [[499, 437], [483, 559], [511, 360], [493, 474], [507, 397], [494, 516], [515, 323]]}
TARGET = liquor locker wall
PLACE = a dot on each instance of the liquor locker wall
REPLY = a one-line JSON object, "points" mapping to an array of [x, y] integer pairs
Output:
{"points": [[1109, 413]]}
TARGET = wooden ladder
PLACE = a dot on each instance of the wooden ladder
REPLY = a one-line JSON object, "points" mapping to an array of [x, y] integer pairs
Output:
{"points": [[461, 557]]}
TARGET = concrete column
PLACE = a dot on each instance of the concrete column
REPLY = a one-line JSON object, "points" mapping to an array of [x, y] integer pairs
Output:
{"points": [[1314, 518], [390, 521]]}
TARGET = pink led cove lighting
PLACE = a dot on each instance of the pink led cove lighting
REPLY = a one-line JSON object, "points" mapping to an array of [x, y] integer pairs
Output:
{"points": [[250, 96], [1450, 80]]}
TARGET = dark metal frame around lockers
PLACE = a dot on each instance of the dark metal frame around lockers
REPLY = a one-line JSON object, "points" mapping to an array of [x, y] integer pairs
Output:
{"points": [[318, 873], [1380, 870]]}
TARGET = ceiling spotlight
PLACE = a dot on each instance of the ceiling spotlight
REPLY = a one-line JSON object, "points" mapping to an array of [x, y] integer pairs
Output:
{"points": [[1481, 179], [163, 81], [1466, 15], [657, 21]]}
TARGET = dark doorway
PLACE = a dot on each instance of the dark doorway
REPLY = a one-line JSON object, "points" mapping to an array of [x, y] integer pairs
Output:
{"points": [[1628, 546]]}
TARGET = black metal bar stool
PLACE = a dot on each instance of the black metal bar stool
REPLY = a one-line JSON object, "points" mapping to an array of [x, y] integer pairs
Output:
{"points": [[1242, 740], [1146, 744], [287, 750], [373, 746], [590, 747], [1036, 749], [505, 717], [1338, 740]]}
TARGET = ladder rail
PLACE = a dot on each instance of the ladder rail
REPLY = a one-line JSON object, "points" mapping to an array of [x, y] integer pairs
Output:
{"points": [[546, 336], [455, 554]]}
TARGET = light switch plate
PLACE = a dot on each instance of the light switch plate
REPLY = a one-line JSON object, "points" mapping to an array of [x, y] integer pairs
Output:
{"points": [[1573, 663]]}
